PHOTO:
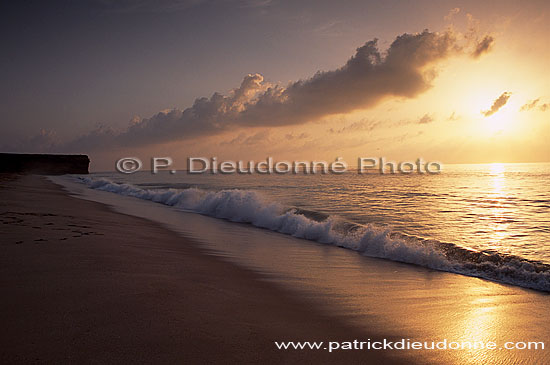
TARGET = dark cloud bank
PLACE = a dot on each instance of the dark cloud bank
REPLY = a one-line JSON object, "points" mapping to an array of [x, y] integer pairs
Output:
{"points": [[367, 77]]}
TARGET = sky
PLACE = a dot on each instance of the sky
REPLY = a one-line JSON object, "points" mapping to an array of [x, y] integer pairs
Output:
{"points": [[448, 81]]}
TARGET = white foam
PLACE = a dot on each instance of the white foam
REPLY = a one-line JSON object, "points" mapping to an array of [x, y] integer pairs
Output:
{"points": [[248, 206]]}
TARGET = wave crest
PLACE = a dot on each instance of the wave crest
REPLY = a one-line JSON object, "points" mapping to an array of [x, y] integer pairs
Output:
{"points": [[248, 206]]}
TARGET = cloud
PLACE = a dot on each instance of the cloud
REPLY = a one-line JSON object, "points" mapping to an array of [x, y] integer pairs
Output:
{"points": [[45, 140], [480, 47], [243, 139], [362, 125], [484, 46], [404, 70], [530, 105], [331, 28], [451, 14], [426, 119], [534, 104], [453, 117], [292, 136], [497, 104]]}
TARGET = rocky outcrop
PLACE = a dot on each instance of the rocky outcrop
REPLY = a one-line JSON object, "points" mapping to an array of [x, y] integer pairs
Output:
{"points": [[43, 164]]}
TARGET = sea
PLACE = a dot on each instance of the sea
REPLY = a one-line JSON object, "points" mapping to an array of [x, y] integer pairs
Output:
{"points": [[463, 255], [486, 220]]}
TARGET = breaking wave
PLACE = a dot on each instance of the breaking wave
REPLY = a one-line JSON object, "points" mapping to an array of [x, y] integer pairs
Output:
{"points": [[249, 206]]}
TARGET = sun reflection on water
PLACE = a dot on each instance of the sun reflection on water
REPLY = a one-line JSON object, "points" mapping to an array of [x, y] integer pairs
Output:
{"points": [[499, 213], [497, 168]]}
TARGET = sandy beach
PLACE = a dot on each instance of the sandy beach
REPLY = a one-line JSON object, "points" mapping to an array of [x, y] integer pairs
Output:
{"points": [[83, 284], [275, 182]]}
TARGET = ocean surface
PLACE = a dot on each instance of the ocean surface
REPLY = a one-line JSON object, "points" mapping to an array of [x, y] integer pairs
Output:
{"points": [[490, 221]]}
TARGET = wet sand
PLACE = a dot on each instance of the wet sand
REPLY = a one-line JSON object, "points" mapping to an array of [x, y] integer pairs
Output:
{"points": [[83, 284]]}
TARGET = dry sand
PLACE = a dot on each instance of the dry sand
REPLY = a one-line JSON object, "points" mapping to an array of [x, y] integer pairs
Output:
{"points": [[83, 284]]}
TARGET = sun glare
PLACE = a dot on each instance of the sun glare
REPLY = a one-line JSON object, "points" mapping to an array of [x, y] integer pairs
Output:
{"points": [[500, 122], [497, 169]]}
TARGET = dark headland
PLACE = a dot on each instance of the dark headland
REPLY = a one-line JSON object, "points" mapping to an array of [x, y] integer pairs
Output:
{"points": [[43, 164]]}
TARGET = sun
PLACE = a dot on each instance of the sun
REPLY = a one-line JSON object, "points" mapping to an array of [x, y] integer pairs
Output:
{"points": [[500, 122]]}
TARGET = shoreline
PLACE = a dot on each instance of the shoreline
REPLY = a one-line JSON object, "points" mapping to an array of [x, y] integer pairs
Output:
{"points": [[375, 240], [83, 283], [164, 285]]}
